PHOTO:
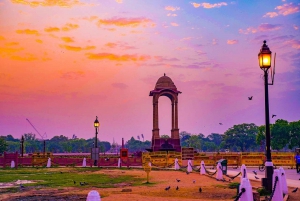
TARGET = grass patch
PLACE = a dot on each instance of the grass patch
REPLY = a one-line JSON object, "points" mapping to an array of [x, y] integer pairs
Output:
{"points": [[62, 177], [233, 185], [263, 192]]}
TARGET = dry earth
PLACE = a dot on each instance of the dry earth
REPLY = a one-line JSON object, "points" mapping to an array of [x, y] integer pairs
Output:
{"points": [[188, 190]]}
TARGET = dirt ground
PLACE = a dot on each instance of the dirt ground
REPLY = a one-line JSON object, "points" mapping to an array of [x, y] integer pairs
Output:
{"points": [[188, 189]]}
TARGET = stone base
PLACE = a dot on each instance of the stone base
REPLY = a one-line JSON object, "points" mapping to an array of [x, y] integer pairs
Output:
{"points": [[166, 144]]}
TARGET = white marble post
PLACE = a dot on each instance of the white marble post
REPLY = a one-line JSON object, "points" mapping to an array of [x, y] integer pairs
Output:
{"points": [[244, 172], [49, 163], [202, 169], [278, 194], [12, 164], [176, 164], [189, 167], [93, 196], [219, 175], [84, 162], [247, 195], [283, 181], [119, 163]]}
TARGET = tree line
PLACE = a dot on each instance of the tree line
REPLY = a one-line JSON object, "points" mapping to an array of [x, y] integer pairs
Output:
{"points": [[244, 137]]}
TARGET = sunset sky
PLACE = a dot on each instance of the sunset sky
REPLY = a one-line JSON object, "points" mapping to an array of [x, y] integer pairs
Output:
{"points": [[62, 62]]}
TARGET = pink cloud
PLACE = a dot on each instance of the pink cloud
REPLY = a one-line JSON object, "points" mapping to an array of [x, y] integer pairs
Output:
{"points": [[208, 5], [174, 24], [261, 28], [131, 22], [171, 8], [294, 43], [114, 57], [72, 75], [285, 9], [232, 42], [35, 3]]}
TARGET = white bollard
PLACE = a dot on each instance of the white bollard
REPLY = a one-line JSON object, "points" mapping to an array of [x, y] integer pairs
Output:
{"points": [[243, 172], [176, 164], [202, 169], [283, 181], [84, 162], [149, 164], [247, 195], [189, 167], [119, 163], [219, 175], [49, 163], [93, 196], [278, 194], [12, 164]]}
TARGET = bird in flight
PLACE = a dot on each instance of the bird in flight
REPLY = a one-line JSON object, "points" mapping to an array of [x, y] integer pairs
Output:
{"points": [[178, 180], [168, 188], [255, 172], [256, 177], [177, 188], [274, 115], [295, 190], [220, 123], [250, 98]]}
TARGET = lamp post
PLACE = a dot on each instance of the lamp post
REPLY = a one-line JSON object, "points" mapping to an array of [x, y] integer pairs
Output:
{"points": [[96, 125], [22, 145], [264, 60]]}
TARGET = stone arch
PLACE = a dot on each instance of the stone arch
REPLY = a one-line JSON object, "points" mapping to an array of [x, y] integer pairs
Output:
{"points": [[165, 87]]}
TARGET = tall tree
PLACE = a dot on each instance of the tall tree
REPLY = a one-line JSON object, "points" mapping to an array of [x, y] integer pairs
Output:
{"points": [[195, 142], [280, 134], [294, 134], [241, 137], [3, 144]]}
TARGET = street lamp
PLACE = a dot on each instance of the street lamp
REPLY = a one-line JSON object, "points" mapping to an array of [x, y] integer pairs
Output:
{"points": [[264, 60], [96, 152], [22, 145]]}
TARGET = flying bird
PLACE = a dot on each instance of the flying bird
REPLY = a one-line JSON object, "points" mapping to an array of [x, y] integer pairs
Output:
{"points": [[177, 188], [295, 190], [168, 188], [250, 98], [220, 123], [178, 180], [255, 172], [274, 115], [256, 177], [200, 190]]}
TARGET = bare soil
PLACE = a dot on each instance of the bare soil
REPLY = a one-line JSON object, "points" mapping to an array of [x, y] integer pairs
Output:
{"points": [[155, 191]]}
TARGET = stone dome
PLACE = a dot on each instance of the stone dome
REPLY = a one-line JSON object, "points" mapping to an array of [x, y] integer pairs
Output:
{"points": [[165, 82]]}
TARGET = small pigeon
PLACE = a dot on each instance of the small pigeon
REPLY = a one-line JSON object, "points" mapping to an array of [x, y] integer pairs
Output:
{"points": [[60, 172], [168, 188], [255, 172], [194, 181], [220, 123], [21, 186], [274, 115], [187, 172], [178, 180], [177, 188], [81, 183], [250, 98], [200, 190], [295, 190], [256, 177], [74, 181]]}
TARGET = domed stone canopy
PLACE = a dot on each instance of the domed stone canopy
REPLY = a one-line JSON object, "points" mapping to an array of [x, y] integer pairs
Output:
{"points": [[165, 82]]}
